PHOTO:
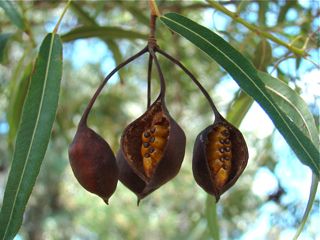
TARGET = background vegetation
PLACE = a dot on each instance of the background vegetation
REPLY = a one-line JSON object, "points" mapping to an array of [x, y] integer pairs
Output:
{"points": [[267, 198]]}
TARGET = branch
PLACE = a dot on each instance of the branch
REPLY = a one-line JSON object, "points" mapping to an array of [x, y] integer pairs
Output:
{"points": [[255, 29]]}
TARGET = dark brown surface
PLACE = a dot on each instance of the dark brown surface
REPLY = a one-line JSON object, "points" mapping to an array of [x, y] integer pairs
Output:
{"points": [[93, 163], [130, 160], [200, 167]]}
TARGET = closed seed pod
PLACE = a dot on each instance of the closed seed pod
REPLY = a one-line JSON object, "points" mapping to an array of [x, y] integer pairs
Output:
{"points": [[220, 155], [93, 162], [151, 150]]}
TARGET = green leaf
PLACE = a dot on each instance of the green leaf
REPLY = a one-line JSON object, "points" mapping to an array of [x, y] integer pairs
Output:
{"points": [[4, 37], [101, 32], [88, 20], [312, 196], [239, 108], [292, 105], [114, 48], [83, 15], [12, 13], [284, 10], [263, 8], [247, 78], [262, 55], [136, 13], [33, 135], [17, 98]]}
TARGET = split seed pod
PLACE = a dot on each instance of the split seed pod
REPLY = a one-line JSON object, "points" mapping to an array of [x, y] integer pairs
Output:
{"points": [[93, 162], [219, 157], [151, 150]]}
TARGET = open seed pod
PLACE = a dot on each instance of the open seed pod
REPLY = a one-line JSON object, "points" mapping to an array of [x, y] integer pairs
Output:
{"points": [[93, 162], [220, 155], [151, 150]]}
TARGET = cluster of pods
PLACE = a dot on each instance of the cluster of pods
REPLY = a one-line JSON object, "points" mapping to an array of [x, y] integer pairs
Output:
{"points": [[152, 147]]}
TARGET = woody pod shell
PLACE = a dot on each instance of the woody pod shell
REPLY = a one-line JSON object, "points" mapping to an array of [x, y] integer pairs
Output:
{"points": [[93, 162], [200, 166], [129, 159]]}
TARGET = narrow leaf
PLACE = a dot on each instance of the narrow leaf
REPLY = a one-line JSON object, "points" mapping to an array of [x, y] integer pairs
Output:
{"points": [[88, 20], [312, 196], [292, 105], [247, 78], [101, 32], [239, 108], [17, 98], [263, 8], [4, 37], [262, 55], [33, 135], [12, 13]]}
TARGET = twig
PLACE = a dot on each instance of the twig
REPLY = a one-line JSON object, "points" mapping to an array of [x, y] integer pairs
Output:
{"points": [[55, 30], [255, 29]]}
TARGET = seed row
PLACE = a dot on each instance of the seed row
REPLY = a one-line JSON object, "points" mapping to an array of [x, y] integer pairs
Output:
{"points": [[219, 154], [153, 142]]}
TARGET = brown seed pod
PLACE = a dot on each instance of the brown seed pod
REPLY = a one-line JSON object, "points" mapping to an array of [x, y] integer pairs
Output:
{"points": [[220, 152], [151, 150], [220, 155], [93, 162], [91, 158]]}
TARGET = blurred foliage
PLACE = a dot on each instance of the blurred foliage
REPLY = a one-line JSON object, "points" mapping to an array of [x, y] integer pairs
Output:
{"points": [[60, 209]]}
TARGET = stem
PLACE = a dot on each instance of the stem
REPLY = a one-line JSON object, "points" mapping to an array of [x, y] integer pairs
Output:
{"points": [[255, 29], [193, 78], [212, 217], [93, 99], [313, 191], [149, 80], [162, 82], [55, 30], [154, 8]]}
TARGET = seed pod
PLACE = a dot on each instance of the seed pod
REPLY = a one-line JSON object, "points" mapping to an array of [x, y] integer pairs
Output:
{"points": [[220, 155], [151, 150], [93, 162]]}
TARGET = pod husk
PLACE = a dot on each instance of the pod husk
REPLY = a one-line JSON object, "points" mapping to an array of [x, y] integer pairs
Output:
{"points": [[129, 159], [200, 165], [93, 162]]}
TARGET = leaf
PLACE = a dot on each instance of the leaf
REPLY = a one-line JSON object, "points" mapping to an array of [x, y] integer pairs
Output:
{"points": [[247, 78], [114, 48], [12, 13], [136, 13], [239, 108], [284, 10], [263, 8], [262, 55], [33, 135], [101, 32], [18, 86], [4, 37], [84, 16], [16, 102], [88, 20], [292, 105], [312, 196]]}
